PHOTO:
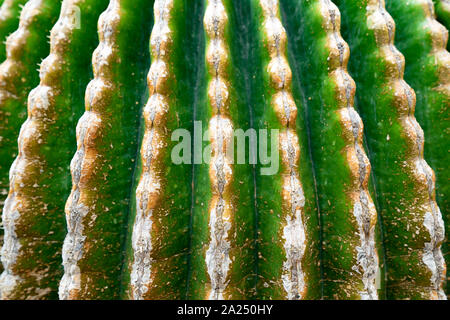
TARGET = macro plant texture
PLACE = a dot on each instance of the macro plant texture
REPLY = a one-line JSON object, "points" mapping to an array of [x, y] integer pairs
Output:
{"points": [[341, 108]]}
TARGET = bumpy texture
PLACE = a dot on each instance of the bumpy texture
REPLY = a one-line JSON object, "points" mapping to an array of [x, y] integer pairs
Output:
{"points": [[348, 215], [24, 50], [404, 182], [423, 44], [9, 20], [221, 154], [102, 166], [46, 144]]}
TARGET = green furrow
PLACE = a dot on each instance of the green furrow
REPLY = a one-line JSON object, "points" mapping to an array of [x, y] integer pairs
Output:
{"points": [[423, 40], [25, 48], [9, 21], [158, 245], [348, 215], [40, 176], [241, 279], [412, 223], [228, 202], [102, 168], [288, 246]]}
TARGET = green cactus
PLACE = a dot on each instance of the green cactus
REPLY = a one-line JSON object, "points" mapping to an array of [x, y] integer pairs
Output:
{"points": [[342, 171], [423, 44], [46, 146], [412, 223], [161, 206], [442, 8], [9, 20]]}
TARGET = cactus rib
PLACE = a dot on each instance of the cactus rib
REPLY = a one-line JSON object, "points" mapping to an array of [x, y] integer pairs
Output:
{"points": [[415, 265], [9, 20], [443, 12], [423, 44], [220, 132], [293, 199], [24, 48], [34, 168], [363, 209], [348, 215], [149, 190], [102, 167], [15, 80]]}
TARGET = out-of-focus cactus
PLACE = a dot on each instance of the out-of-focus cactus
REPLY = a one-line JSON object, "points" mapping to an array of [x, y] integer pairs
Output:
{"points": [[159, 206], [9, 20]]}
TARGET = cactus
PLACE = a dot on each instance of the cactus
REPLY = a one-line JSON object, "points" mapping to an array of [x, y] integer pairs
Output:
{"points": [[9, 20], [442, 9], [404, 183], [46, 145], [423, 44], [163, 203]]}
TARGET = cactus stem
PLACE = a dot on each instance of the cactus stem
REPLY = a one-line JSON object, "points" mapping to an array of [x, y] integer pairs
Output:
{"points": [[149, 189], [293, 196], [363, 208], [432, 255], [221, 132]]}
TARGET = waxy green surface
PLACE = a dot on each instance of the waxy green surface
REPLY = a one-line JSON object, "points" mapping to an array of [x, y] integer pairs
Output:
{"points": [[442, 9], [316, 90], [271, 252], [41, 229], [396, 192], [413, 39], [110, 184], [178, 268], [20, 74]]}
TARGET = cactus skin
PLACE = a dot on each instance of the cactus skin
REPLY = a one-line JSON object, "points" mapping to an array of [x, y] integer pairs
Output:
{"points": [[229, 252], [287, 216], [46, 145], [159, 255], [442, 8], [423, 41], [25, 48], [102, 168], [142, 227], [413, 226], [348, 215], [9, 21]]}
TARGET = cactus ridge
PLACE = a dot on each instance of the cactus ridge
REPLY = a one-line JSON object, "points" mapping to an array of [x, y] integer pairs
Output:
{"points": [[89, 128], [284, 106], [102, 168], [45, 121], [150, 187], [415, 266], [363, 207], [420, 172], [428, 38], [14, 249], [347, 213], [17, 77], [443, 12], [221, 132], [145, 218], [9, 20]]}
